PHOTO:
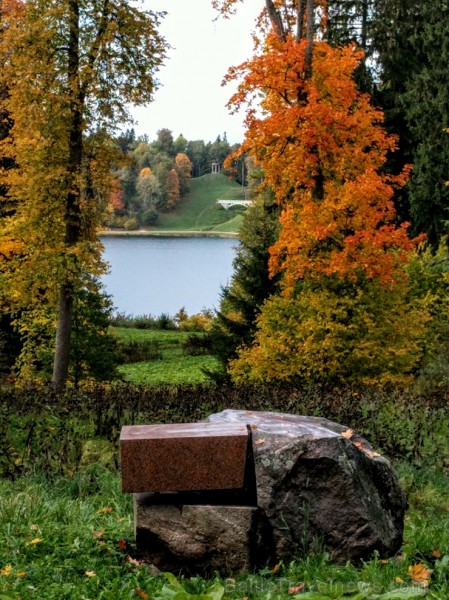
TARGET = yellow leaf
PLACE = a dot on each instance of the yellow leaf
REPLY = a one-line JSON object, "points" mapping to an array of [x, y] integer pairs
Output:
{"points": [[21, 574], [34, 542], [90, 574], [347, 434], [260, 441], [419, 574], [105, 509], [399, 580], [6, 570]]}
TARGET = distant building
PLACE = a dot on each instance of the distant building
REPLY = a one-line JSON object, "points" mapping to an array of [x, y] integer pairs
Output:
{"points": [[215, 167]]}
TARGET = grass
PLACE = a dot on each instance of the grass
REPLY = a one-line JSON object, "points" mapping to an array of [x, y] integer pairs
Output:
{"points": [[175, 366], [199, 212], [72, 538]]}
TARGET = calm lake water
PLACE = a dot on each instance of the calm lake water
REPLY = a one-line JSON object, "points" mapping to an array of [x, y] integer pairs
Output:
{"points": [[150, 275]]}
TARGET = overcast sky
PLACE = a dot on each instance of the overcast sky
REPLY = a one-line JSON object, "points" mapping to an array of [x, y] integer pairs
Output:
{"points": [[191, 99]]}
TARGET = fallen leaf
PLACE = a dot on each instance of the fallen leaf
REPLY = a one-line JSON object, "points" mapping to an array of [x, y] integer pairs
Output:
{"points": [[296, 589], [35, 527], [105, 509], [436, 554], [98, 534], [253, 426], [359, 445], [122, 544], [420, 574], [6, 570], [276, 568], [347, 434], [259, 441], [35, 541], [133, 561], [90, 574], [139, 592], [399, 580]]}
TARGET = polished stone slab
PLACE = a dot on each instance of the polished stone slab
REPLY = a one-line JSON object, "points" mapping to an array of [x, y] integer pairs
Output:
{"points": [[183, 457]]}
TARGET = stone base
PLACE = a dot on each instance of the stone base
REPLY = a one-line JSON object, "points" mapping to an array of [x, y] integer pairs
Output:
{"points": [[198, 538]]}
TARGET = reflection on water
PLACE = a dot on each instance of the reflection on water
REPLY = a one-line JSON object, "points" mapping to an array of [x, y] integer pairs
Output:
{"points": [[150, 275]]}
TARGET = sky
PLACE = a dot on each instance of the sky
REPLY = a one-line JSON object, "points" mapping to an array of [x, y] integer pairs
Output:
{"points": [[190, 99]]}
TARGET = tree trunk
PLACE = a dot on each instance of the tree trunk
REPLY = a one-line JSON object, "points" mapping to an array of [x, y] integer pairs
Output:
{"points": [[309, 35], [72, 208], [62, 345], [275, 19]]}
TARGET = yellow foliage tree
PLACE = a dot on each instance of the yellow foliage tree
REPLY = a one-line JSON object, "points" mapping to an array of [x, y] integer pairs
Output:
{"points": [[71, 69]]}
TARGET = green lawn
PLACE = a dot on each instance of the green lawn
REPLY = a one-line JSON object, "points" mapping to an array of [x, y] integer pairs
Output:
{"points": [[175, 367], [199, 211], [71, 538]]}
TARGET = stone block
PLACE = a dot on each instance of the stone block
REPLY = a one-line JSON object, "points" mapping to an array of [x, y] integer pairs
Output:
{"points": [[195, 539], [183, 457]]}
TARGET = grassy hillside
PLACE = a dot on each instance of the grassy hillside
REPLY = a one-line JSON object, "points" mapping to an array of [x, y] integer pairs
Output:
{"points": [[199, 211]]}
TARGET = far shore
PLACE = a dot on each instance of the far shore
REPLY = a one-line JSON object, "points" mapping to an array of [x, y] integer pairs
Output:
{"points": [[165, 233]]}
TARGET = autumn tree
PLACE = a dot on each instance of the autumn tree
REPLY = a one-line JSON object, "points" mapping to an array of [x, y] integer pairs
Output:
{"points": [[172, 191], [183, 168], [148, 190], [71, 69], [322, 149]]}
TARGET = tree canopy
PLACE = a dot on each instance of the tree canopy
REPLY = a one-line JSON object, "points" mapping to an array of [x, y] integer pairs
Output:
{"points": [[71, 70]]}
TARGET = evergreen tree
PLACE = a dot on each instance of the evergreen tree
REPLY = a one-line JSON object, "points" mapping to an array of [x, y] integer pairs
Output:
{"points": [[412, 47], [250, 286]]}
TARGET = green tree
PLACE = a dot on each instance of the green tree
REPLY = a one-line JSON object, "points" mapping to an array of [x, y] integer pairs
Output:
{"points": [[197, 152], [71, 69], [93, 351], [164, 143], [250, 285], [412, 45]]}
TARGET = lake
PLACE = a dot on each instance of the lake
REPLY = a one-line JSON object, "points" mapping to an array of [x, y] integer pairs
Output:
{"points": [[154, 275]]}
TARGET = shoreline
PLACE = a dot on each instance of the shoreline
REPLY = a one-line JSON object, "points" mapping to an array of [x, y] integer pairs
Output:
{"points": [[165, 233]]}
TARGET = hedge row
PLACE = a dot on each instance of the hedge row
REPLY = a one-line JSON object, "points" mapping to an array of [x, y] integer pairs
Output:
{"points": [[41, 430]]}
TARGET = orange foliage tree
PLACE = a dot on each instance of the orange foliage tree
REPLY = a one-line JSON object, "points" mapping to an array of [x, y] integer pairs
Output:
{"points": [[172, 189], [322, 148]]}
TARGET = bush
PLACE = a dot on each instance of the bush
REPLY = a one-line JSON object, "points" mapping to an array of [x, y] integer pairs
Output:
{"points": [[163, 321], [41, 430], [196, 345], [149, 217], [198, 322], [131, 352], [131, 224]]}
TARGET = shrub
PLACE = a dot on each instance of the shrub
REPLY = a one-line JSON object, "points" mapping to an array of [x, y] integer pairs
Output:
{"points": [[196, 345], [149, 217], [131, 224], [41, 430], [130, 352], [199, 322]]}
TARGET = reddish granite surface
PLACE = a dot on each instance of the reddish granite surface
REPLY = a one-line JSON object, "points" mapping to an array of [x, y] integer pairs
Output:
{"points": [[172, 458]]}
